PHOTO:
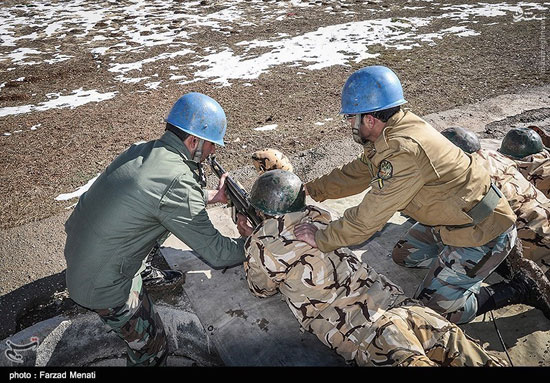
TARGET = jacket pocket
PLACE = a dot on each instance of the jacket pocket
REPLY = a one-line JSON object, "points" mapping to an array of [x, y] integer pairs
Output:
{"points": [[413, 207]]}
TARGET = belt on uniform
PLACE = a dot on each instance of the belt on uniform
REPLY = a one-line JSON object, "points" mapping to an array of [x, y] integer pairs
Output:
{"points": [[483, 208]]}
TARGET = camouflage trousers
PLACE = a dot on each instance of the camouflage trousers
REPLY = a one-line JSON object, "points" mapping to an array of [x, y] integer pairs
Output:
{"points": [[414, 335], [534, 233], [140, 326], [455, 273]]}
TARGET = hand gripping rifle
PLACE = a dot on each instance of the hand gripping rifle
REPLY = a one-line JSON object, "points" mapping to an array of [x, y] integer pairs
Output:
{"points": [[238, 197]]}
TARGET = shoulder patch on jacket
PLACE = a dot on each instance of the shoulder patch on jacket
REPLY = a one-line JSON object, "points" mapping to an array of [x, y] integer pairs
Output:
{"points": [[385, 172]]}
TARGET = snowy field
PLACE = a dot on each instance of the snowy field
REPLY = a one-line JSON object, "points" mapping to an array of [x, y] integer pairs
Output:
{"points": [[136, 38], [114, 31]]}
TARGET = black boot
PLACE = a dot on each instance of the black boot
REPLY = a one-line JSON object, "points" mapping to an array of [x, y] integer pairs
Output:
{"points": [[155, 279], [505, 269], [522, 288]]}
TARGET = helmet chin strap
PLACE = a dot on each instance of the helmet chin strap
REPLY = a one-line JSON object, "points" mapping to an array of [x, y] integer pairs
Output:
{"points": [[197, 158], [198, 152], [355, 130]]}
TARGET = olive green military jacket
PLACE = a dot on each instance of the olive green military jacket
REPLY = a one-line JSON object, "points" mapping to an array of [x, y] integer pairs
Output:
{"points": [[149, 190], [414, 169]]}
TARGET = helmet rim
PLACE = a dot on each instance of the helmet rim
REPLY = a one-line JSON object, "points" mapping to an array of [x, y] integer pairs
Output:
{"points": [[269, 182]]}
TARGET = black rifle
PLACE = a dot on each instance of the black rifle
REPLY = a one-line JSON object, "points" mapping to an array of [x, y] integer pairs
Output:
{"points": [[238, 197]]}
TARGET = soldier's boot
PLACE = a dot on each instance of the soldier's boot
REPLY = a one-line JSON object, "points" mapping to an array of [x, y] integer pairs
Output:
{"points": [[505, 269], [528, 286], [155, 279]]}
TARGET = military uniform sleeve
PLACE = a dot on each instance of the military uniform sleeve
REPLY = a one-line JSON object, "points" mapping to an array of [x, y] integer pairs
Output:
{"points": [[257, 275], [351, 179], [183, 212], [359, 223]]}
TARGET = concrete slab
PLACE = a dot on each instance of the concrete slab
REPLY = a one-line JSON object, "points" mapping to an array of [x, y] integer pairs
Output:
{"points": [[249, 331], [84, 340]]}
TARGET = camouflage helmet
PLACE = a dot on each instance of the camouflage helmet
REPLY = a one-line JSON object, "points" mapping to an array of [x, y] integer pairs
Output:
{"points": [[278, 192], [270, 159], [463, 138], [521, 142]]}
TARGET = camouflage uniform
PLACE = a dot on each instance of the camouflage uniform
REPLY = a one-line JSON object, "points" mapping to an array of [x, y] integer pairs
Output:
{"points": [[270, 159], [531, 207], [351, 308], [139, 325], [536, 169], [455, 274]]}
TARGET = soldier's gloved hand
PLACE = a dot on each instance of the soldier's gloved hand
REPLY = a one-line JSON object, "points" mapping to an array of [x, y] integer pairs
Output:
{"points": [[245, 230], [218, 195], [306, 232]]}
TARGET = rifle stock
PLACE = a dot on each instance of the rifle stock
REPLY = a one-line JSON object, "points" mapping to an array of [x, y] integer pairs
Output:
{"points": [[237, 195]]}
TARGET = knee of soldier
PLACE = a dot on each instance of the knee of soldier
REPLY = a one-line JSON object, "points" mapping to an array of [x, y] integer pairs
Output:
{"points": [[402, 255], [406, 254], [399, 254]]}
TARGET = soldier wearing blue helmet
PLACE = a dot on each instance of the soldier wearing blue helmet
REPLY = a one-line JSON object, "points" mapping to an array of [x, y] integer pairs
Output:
{"points": [[464, 225], [150, 190]]}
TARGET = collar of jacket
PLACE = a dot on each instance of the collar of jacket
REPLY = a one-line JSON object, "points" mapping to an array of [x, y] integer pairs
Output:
{"points": [[173, 141], [381, 142]]}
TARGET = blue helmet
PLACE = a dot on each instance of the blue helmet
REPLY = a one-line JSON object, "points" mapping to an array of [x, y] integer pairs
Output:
{"points": [[371, 89], [199, 115]]}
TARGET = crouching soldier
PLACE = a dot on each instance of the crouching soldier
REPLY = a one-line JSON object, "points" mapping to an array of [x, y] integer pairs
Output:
{"points": [[150, 190], [352, 309], [464, 226]]}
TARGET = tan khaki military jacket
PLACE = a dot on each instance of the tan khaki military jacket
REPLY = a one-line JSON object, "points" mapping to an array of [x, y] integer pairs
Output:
{"points": [[332, 294], [414, 169], [530, 205], [536, 168]]}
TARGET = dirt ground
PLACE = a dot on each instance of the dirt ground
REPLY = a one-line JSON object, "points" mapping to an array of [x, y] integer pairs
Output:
{"points": [[73, 145]]}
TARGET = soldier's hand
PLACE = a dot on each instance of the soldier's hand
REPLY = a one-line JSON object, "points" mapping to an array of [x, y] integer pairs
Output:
{"points": [[306, 232], [543, 136], [218, 195], [245, 230]]}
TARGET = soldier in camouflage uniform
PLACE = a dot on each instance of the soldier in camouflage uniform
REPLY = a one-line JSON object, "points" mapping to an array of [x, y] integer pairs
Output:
{"points": [[526, 147], [352, 309], [530, 205]]}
